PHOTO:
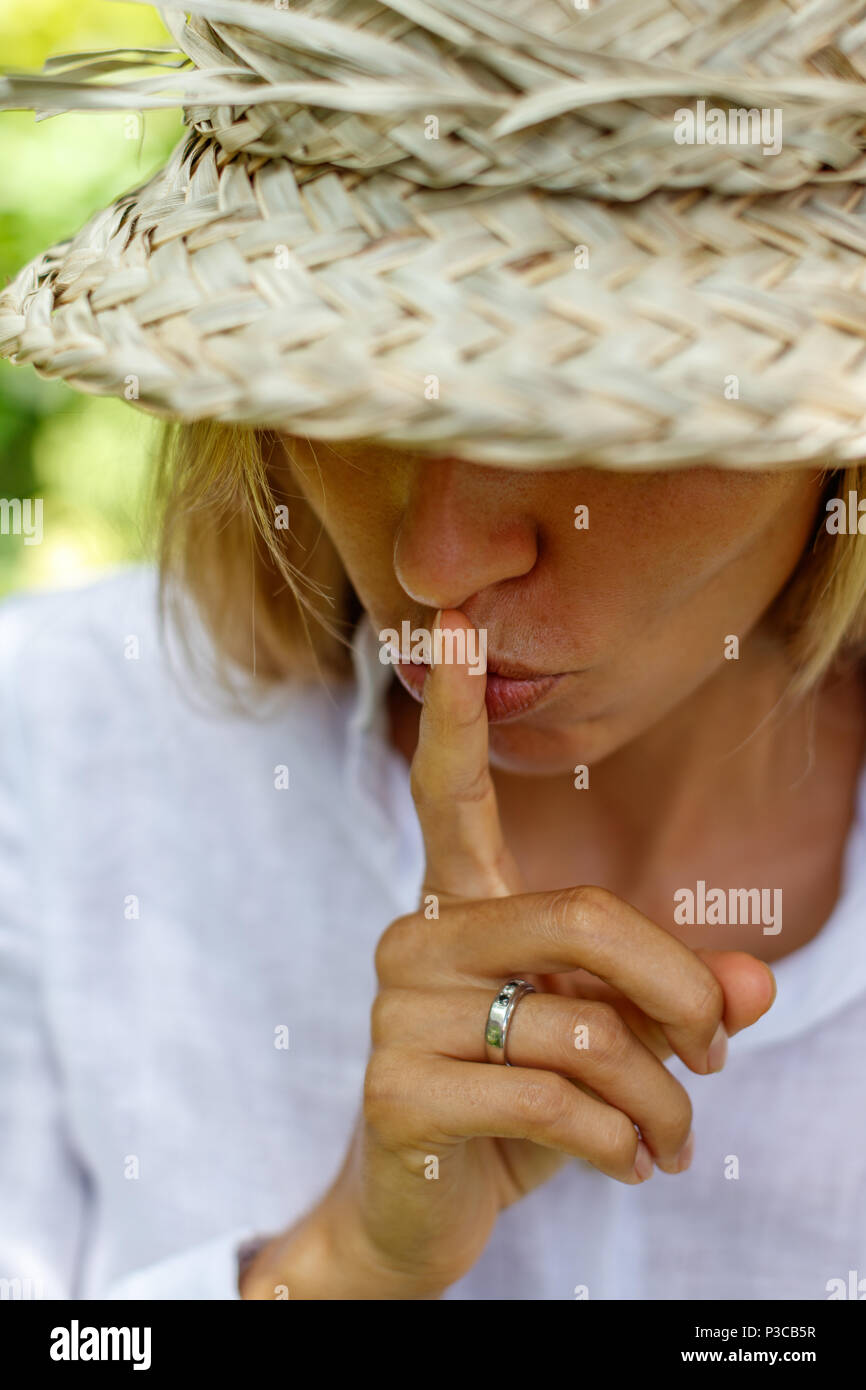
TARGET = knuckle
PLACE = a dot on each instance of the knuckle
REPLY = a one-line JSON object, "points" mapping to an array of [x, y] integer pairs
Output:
{"points": [[392, 947], [681, 1117], [386, 1008], [706, 1006], [591, 900], [542, 1101], [476, 785], [570, 908], [607, 1034], [419, 787]]}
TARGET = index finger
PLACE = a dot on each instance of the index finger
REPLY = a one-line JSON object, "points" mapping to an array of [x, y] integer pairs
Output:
{"points": [[466, 855]]}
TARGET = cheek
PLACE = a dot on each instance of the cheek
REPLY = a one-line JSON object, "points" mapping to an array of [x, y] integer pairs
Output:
{"points": [[651, 546], [602, 585], [361, 519], [665, 557]]}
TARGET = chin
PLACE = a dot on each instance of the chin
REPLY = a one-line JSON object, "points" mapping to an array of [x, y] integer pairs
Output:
{"points": [[537, 752]]}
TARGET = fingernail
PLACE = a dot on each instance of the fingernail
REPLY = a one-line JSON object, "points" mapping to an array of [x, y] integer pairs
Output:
{"points": [[718, 1049], [774, 988], [643, 1164], [685, 1155], [437, 621]]}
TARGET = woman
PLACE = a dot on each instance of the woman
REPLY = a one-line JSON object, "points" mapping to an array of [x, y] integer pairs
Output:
{"points": [[264, 962]]}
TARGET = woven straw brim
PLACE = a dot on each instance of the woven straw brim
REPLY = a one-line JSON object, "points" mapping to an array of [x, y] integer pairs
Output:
{"points": [[694, 327]]}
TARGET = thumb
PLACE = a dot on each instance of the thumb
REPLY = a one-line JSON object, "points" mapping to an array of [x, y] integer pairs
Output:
{"points": [[748, 991]]}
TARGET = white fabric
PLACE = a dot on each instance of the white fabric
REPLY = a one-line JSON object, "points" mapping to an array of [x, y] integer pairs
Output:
{"points": [[149, 1040]]}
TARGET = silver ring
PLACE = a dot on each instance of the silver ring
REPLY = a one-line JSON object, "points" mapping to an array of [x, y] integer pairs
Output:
{"points": [[499, 1018]]}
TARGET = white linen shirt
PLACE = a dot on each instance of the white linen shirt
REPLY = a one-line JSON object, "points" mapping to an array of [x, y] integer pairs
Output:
{"points": [[171, 912]]}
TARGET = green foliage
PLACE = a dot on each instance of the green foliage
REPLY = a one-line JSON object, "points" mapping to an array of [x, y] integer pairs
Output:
{"points": [[85, 456]]}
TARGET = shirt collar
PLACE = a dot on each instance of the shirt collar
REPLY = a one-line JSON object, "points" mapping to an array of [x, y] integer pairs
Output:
{"points": [[828, 974], [372, 679]]}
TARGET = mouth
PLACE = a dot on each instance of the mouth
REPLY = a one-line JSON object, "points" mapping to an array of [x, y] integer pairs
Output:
{"points": [[506, 696]]}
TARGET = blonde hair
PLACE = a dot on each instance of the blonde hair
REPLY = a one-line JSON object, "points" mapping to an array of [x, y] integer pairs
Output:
{"points": [[275, 601], [279, 604]]}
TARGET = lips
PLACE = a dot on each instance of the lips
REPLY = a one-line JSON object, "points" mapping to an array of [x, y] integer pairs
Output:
{"points": [[506, 696]]}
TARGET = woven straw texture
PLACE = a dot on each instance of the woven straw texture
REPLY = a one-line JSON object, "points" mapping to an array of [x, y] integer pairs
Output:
{"points": [[469, 229]]}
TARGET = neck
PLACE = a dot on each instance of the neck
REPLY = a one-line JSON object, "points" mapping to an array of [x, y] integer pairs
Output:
{"points": [[735, 746], [733, 760]]}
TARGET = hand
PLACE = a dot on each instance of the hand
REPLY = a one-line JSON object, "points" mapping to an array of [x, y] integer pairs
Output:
{"points": [[447, 1140]]}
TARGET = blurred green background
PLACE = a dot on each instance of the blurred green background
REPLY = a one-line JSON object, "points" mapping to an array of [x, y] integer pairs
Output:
{"points": [[87, 457]]}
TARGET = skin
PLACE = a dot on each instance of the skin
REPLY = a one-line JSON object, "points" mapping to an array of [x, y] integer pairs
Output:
{"points": [[690, 779]]}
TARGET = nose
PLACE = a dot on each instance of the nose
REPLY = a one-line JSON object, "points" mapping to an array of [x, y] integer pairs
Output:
{"points": [[464, 529]]}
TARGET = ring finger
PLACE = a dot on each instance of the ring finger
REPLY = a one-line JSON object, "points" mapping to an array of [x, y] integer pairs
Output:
{"points": [[585, 1040]]}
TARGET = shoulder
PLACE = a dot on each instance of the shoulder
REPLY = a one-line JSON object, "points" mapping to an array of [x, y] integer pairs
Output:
{"points": [[80, 613], [55, 642], [96, 666]]}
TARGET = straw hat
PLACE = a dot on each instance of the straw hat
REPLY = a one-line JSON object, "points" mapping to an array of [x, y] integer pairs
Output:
{"points": [[519, 232]]}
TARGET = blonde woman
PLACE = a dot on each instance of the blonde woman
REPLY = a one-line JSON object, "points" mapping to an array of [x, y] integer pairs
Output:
{"points": [[522, 959]]}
